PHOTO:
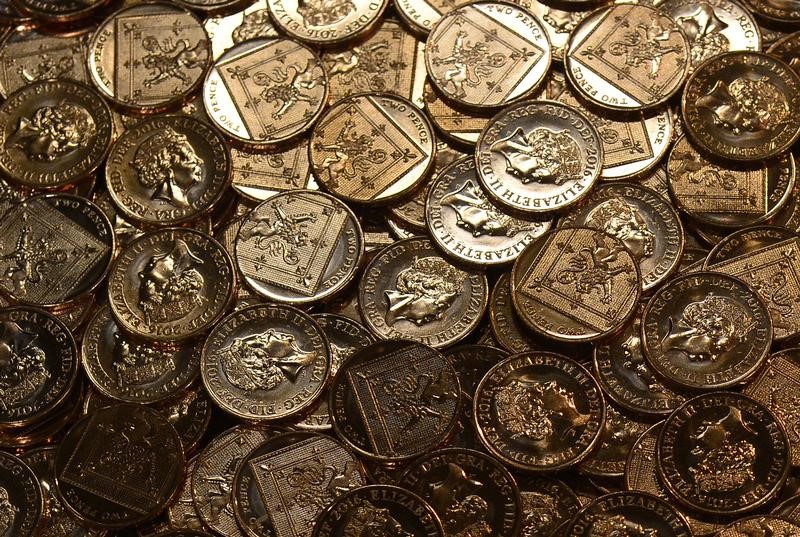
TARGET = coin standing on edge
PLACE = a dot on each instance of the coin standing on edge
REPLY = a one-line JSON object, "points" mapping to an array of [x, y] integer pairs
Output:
{"points": [[326, 23]]}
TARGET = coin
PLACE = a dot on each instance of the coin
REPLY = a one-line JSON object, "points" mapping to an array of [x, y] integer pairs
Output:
{"points": [[739, 105], [422, 15], [557, 23], [408, 291], [11, 16], [210, 7], [456, 126], [485, 499], [575, 285], [325, 24], [723, 453], [395, 400], [283, 485], [299, 246], [629, 512], [252, 22], [136, 463], [258, 175], [539, 411], [608, 68], [619, 434], [645, 223], [135, 372], [182, 514], [538, 156], [22, 497], [508, 65], [171, 284], [510, 332], [746, 526], [546, 504], [59, 11], [788, 50], [775, 12], [472, 362], [372, 148]]}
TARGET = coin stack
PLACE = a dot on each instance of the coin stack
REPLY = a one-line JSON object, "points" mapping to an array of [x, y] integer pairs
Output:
{"points": [[353, 268]]}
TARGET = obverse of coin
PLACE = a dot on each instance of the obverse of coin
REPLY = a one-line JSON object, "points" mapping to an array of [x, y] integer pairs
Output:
{"points": [[59, 11], [486, 491], [550, 291], [171, 284], [788, 50], [396, 303], [629, 512], [252, 22], [509, 65], [468, 226], [22, 498], [136, 463], [546, 505], [539, 411], [54, 133], [608, 67], [509, 331], [456, 126], [272, 478], [372, 148], [739, 106], [137, 70], [326, 24], [619, 434], [538, 156], [747, 526], [299, 246], [373, 410], [258, 175]]}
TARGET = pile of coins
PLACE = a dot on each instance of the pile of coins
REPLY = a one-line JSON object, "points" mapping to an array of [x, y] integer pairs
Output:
{"points": [[341, 268]]}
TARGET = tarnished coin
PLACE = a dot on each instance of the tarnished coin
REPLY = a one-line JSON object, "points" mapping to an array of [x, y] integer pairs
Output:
{"points": [[755, 524], [372, 148], [723, 453], [324, 23], [53, 133], [264, 92], [471, 492], [258, 175], [252, 22], [539, 156], [576, 285], [644, 221], [119, 466], [628, 57], [539, 412], [547, 504], [171, 284], [54, 249], [788, 50], [739, 106], [395, 400], [620, 432], [168, 170], [282, 486], [59, 11], [408, 291], [299, 247], [21, 496], [634, 513], [507, 328], [457, 127], [211, 7], [487, 55], [468, 226], [132, 371]]}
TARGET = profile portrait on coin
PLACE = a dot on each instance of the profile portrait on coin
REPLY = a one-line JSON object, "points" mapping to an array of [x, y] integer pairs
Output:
{"points": [[424, 291], [262, 361], [170, 285], [542, 155], [167, 163], [704, 29], [746, 105], [370, 520], [603, 525], [619, 219], [53, 132]]}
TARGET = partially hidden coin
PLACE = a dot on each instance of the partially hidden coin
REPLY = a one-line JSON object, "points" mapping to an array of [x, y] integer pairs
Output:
{"points": [[59, 11], [782, 13], [326, 24], [557, 23], [510, 332], [547, 504], [458, 127], [22, 499], [11, 16], [252, 22], [629, 512], [620, 432], [182, 514], [788, 50], [258, 175], [472, 362], [747, 526], [422, 15], [211, 7]]}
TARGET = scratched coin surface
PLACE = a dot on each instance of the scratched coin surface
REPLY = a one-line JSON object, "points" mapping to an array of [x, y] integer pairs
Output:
{"points": [[576, 285], [21, 494], [171, 284], [723, 453], [739, 106], [251, 22], [372, 148], [409, 291], [629, 513], [539, 412], [299, 247], [487, 55], [326, 23], [538, 156], [395, 400]]}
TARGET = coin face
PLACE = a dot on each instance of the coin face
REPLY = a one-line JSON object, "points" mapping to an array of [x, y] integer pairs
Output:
{"points": [[136, 463], [629, 512], [788, 50], [538, 156], [372, 148], [182, 514], [739, 106], [620, 431], [746, 526], [723, 453], [171, 284], [509, 331], [575, 285], [776, 12], [609, 67], [487, 55], [252, 22], [321, 23], [395, 400], [396, 303], [539, 411], [547, 504], [59, 11], [283, 485], [258, 175], [482, 487], [422, 15], [299, 247], [22, 497]]}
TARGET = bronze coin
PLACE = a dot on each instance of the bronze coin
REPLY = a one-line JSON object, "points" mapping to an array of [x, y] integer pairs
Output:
{"points": [[547, 504], [252, 22], [11, 16], [395, 400], [539, 412], [171, 284], [472, 493], [619, 434], [182, 514], [380, 510], [557, 23], [472, 362], [755, 524], [266, 362], [258, 175], [656, 180], [408, 291], [789, 509], [458, 127], [283, 485], [54, 249], [119, 466], [739, 106], [422, 15], [372, 148], [325, 24], [21, 496], [576, 285], [538, 156], [788, 50], [507, 328], [211, 7], [59, 11], [775, 12], [635, 513], [723, 453]]}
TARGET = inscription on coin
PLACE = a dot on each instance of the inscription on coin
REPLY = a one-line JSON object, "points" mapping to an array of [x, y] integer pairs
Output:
{"points": [[21, 503]]}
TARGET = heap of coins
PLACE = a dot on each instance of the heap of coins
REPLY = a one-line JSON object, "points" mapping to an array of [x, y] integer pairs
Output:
{"points": [[353, 268]]}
